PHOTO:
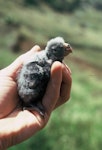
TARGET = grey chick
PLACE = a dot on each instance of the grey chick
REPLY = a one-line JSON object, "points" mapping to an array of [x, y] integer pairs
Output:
{"points": [[34, 75]]}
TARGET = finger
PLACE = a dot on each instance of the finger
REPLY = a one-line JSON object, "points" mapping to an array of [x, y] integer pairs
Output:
{"points": [[12, 69], [65, 86], [35, 48], [53, 88]]}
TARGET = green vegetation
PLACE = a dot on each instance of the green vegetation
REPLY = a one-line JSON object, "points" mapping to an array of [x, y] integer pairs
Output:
{"points": [[76, 125], [66, 5]]}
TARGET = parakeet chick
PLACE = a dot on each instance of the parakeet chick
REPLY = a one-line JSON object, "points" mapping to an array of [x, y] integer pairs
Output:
{"points": [[34, 75]]}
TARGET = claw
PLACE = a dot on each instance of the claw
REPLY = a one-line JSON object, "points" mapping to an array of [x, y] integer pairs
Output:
{"points": [[37, 107]]}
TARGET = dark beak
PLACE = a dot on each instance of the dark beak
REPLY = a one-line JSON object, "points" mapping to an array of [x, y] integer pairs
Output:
{"points": [[68, 49]]}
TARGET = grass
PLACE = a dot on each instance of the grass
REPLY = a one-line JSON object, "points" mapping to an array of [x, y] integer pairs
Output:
{"points": [[6, 57], [44, 23], [79, 126]]}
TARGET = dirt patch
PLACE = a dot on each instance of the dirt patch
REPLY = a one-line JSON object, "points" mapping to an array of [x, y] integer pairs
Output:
{"points": [[22, 44], [84, 65]]}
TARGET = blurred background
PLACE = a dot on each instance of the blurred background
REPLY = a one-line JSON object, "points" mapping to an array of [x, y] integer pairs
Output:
{"points": [[77, 125]]}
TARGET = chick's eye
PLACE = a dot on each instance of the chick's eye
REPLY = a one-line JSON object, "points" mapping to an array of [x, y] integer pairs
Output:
{"points": [[55, 49]]}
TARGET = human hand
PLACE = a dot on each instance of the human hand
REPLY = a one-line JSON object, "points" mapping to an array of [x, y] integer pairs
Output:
{"points": [[17, 125]]}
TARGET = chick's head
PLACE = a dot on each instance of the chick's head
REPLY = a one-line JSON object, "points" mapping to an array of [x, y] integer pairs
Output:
{"points": [[57, 48]]}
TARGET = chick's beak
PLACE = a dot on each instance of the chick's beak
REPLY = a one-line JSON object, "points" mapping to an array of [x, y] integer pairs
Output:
{"points": [[68, 49]]}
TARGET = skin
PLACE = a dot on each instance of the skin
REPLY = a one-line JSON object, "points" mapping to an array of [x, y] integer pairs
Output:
{"points": [[17, 125]]}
